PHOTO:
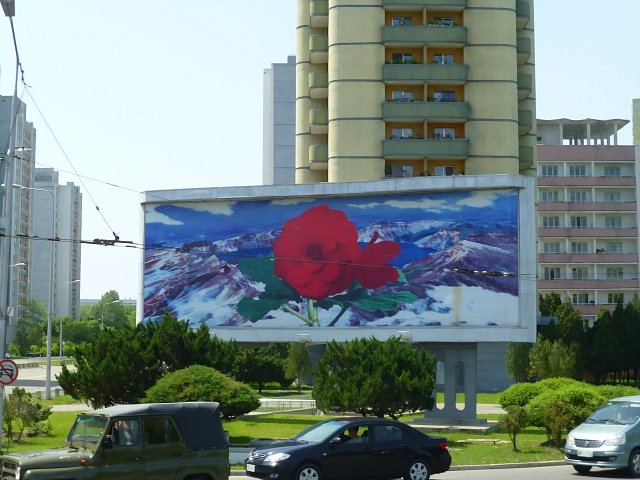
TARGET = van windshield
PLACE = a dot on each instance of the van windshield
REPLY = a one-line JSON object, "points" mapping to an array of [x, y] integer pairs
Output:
{"points": [[622, 413], [87, 429]]}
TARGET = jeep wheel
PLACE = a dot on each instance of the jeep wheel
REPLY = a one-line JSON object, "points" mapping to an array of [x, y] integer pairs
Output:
{"points": [[308, 471]]}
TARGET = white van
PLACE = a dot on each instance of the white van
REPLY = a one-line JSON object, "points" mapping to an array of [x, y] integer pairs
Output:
{"points": [[609, 438]]}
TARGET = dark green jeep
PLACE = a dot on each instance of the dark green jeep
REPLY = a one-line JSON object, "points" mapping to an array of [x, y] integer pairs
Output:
{"points": [[154, 441]]}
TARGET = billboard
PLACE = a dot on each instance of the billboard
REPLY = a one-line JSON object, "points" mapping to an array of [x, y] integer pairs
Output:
{"points": [[424, 255]]}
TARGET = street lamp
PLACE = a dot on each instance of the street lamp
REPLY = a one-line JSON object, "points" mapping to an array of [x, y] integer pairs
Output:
{"points": [[47, 383]]}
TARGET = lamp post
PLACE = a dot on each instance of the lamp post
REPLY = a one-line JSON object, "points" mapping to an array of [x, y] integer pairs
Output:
{"points": [[47, 383]]}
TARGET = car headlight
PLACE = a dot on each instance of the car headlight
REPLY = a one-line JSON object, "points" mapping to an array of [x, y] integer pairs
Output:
{"points": [[571, 440], [615, 441], [17, 473], [275, 457]]}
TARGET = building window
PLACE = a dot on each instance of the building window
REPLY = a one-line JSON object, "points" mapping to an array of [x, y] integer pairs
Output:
{"points": [[580, 298], [444, 171], [615, 273], [579, 222], [443, 21], [551, 247], [611, 196], [552, 273], [444, 133], [579, 273], [615, 298], [577, 171], [578, 247], [402, 58], [444, 96], [551, 222], [402, 133], [578, 196], [611, 171], [402, 171], [613, 222], [398, 21], [613, 247], [443, 58], [550, 195], [549, 171], [402, 96]]}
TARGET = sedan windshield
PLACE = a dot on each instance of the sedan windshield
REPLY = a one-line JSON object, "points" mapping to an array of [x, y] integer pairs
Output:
{"points": [[86, 429], [321, 432], [617, 412]]}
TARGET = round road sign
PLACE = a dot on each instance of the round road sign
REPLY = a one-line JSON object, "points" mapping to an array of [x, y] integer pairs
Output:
{"points": [[8, 371]]}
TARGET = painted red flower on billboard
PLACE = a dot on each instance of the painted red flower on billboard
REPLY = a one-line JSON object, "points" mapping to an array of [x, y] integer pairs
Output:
{"points": [[318, 255]]}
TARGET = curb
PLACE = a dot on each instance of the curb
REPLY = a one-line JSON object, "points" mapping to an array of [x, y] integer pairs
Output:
{"points": [[492, 466]]}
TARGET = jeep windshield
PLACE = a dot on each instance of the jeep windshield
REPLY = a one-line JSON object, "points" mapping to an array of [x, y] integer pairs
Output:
{"points": [[86, 430]]}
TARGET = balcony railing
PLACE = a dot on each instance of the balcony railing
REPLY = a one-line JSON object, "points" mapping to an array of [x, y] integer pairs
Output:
{"points": [[525, 85], [564, 206], [319, 13], [441, 4], [523, 47], [455, 74], [420, 148], [318, 84], [418, 110], [453, 36], [523, 14], [319, 121], [318, 154], [602, 232], [319, 48]]}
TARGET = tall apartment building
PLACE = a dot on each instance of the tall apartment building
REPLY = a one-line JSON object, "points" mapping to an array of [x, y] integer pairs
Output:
{"points": [[587, 214], [55, 265], [279, 119], [23, 145], [414, 87]]}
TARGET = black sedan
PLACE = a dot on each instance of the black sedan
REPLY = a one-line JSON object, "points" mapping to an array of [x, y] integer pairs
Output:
{"points": [[362, 447]]}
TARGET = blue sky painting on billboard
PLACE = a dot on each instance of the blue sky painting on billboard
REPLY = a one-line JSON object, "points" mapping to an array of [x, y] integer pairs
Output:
{"points": [[424, 259]]}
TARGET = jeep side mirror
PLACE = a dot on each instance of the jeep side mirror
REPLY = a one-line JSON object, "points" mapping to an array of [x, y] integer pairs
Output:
{"points": [[107, 442]]}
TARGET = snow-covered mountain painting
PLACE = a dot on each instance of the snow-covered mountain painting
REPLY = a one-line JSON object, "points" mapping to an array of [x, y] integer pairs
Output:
{"points": [[428, 259]]}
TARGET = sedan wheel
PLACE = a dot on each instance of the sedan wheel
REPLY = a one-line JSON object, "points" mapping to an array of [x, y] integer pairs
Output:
{"points": [[634, 463], [418, 470], [308, 472]]}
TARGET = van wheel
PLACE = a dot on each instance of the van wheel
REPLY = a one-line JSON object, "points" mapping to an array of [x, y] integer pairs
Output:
{"points": [[634, 463], [582, 469]]}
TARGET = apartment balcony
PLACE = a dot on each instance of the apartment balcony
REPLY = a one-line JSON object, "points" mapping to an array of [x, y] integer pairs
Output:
{"points": [[525, 155], [319, 48], [523, 47], [318, 85], [523, 14], [525, 121], [586, 181], [525, 85], [587, 206], [419, 148], [455, 5], [595, 258], [319, 14], [417, 73], [318, 156], [319, 121], [588, 284], [592, 232], [418, 111], [442, 36]]}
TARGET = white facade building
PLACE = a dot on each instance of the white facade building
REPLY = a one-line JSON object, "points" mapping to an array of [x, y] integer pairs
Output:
{"points": [[57, 214]]}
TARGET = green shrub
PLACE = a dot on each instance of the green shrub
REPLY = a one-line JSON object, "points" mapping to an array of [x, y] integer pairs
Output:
{"points": [[513, 422], [519, 394], [559, 410], [204, 384], [613, 391], [556, 383]]}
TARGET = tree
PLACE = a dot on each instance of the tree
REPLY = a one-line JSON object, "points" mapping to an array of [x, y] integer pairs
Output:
{"points": [[298, 363], [374, 378], [24, 410], [514, 421], [517, 361], [551, 359], [198, 383], [259, 366], [31, 328]]}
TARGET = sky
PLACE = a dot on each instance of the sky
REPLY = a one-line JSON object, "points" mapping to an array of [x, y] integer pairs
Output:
{"points": [[138, 95]]}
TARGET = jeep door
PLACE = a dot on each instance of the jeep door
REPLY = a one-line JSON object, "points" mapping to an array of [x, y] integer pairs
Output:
{"points": [[124, 460], [164, 448]]}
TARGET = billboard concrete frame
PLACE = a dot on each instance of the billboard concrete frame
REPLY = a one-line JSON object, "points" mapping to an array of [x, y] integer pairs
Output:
{"points": [[435, 259]]}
